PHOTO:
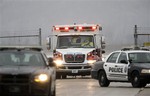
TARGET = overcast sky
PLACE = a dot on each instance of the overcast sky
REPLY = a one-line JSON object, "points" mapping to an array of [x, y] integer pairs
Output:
{"points": [[117, 17]]}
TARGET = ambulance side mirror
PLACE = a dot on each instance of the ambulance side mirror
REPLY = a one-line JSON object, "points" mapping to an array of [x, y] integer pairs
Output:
{"points": [[102, 40], [48, 43]]}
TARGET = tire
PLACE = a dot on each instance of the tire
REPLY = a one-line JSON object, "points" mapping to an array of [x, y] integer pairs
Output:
{"points": [[52, 93], [135, 80], [143, 83], [103, 81], [64, 76], [58, 76]]}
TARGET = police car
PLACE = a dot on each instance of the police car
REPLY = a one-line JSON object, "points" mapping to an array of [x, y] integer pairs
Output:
{"points": [[26, 71], [123, 66]]}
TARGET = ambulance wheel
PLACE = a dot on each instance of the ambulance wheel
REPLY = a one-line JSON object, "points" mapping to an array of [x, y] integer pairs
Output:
{"points": [[64, 76], [103, 81], [58, 76]]}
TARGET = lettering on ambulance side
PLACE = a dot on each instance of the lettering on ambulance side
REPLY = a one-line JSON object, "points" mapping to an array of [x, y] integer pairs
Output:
{"points": [[112, 69]]}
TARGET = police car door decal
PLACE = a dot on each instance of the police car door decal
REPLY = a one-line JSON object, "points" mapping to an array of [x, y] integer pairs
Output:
{"points": [[120, 70], [110, 67]]}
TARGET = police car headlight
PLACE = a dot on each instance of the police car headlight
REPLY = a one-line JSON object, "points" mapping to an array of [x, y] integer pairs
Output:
{"points": [[41, 78], [91, 61], [58, 62], [145, 71]]}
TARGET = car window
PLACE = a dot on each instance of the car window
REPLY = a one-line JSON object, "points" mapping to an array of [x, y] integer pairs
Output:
{"points": [[122, 57], [113, 57], [21, 58], [139, 57]]}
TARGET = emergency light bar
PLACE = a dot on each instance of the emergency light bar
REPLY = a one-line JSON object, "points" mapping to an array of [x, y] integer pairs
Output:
{"points": [[79, 28]]}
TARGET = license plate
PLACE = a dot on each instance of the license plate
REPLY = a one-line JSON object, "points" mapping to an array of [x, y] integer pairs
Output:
{"points": [[74, 71], [14, 89]]}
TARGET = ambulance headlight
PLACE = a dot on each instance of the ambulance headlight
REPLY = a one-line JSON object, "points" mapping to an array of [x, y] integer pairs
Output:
{"points": [[41, 78], [58, 62], [91, 61], [145, 71]]}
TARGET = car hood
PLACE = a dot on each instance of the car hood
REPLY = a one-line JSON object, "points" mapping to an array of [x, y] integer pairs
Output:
{"points": [[75, 50], [142, 65], [20, 69]]}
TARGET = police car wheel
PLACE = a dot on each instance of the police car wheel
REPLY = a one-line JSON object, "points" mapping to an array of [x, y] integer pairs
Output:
{"points": [[135, 80], [103, 81], [143, 84]]}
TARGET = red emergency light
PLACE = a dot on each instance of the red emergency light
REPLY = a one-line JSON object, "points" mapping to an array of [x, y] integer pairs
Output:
{"points": [[78, 28], [87, 28], [94, 27], [66, 28], [57, 28], [61, 29]]}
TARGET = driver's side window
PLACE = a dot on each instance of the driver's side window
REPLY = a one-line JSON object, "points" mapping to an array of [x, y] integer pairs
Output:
{"points": [[123, 56], [113, 57]]}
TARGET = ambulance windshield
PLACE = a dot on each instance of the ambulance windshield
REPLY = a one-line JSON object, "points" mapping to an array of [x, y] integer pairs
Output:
{"points": [[75, 41]]}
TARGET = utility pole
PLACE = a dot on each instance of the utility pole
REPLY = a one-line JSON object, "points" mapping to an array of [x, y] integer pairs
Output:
{"points": [[40, 37], [135, 37]]}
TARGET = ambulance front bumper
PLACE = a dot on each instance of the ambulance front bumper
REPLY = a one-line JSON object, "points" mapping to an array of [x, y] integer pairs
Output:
{"points": [[74, 70]]}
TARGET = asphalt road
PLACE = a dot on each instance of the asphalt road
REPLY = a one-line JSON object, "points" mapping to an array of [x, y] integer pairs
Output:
{"points": [[89, 87]]}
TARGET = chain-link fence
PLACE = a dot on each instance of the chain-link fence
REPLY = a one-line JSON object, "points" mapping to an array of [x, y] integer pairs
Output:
{"points": [[21, 38]]}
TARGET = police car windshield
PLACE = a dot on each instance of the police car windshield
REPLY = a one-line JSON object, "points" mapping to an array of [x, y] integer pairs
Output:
{"points": [[75, 41], [21, 58], [139, 57]]}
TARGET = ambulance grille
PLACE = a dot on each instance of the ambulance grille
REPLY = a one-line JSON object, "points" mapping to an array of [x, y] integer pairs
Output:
{"points": [[74, 58]]}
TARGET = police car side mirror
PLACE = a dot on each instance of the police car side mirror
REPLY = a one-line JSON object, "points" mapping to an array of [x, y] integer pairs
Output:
{"points": [[124, 61], [50, 62], [130, 60]]}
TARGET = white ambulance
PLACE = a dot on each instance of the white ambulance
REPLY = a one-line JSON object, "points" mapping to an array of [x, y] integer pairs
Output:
{"points": [[75, 48]]}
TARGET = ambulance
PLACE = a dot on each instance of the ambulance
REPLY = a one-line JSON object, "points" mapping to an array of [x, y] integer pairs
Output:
{"points": [[75, 48]]}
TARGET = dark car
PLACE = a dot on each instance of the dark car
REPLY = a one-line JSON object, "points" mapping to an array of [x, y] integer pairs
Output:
{"points": [[124, 66], [26, 71]]}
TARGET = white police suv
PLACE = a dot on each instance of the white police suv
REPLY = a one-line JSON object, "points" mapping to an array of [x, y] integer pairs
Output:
{"points": [[123, 66]]}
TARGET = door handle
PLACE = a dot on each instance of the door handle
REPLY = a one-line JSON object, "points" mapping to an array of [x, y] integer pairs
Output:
{"points": [[116, 66], [105, 65]]}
